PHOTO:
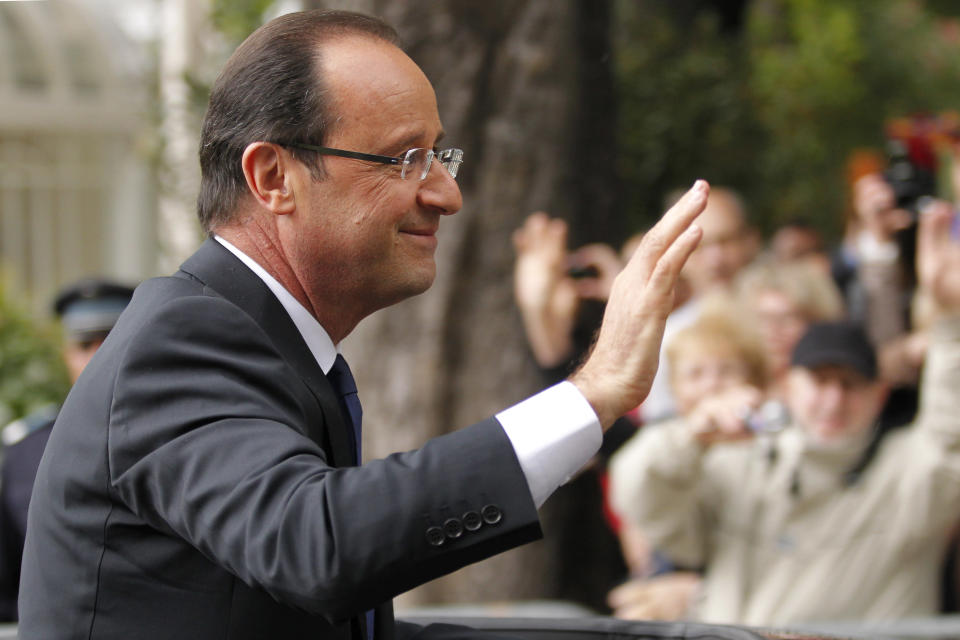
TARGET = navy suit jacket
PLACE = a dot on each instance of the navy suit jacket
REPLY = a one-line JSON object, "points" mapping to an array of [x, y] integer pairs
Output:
{"points": [[200, 483]]}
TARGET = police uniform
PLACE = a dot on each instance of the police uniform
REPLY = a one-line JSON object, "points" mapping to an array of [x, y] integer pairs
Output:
{"points": [[87, 310]]}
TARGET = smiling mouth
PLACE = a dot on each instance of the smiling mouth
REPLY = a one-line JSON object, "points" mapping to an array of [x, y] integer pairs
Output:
{"points": [[426, 239], [419, 232]]}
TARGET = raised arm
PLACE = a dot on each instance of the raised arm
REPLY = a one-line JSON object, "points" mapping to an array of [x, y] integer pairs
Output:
{"points": [[938, 270], [546, 297]]}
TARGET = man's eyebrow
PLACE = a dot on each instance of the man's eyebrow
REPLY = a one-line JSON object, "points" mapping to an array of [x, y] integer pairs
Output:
{"points": [[410, 141]]}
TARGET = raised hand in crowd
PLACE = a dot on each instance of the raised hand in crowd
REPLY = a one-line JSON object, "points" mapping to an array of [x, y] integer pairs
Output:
{"points": [[938, 257], [546, 296], [550, 283], [725, 417], [874, 202], [663, 597]]}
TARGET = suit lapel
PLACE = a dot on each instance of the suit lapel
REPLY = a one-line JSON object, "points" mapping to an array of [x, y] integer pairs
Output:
{"points": [[222, 272]]}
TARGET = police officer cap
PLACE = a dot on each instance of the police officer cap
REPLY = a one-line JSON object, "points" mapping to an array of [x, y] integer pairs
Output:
{"points": [[88, 309]]}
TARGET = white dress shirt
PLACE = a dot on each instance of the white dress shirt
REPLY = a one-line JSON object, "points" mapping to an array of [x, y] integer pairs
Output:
{"points": [[554, 433]]}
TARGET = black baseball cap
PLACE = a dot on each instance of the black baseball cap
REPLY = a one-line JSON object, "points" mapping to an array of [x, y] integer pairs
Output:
{"points": [[836, 344], [89, 308]]}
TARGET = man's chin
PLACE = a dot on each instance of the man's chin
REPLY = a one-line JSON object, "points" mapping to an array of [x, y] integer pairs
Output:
{"points": [[415, 283], [834, 436], [423, 278]]}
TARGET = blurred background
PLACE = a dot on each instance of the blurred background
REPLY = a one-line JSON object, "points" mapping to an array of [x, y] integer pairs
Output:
{"points": [[593, 110]]}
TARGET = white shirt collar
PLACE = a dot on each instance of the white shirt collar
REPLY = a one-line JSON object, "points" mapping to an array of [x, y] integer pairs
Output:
{"points": [[316, 337]]}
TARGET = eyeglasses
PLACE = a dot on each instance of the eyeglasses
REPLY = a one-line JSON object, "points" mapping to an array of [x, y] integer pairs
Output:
{"points": [[415, 162]]}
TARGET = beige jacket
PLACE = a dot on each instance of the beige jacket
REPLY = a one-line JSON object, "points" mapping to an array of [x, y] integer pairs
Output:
{"points": [[781, 536]]}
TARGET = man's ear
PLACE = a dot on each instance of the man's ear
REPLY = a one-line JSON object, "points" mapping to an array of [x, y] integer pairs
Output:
{"points": [[265, 167]]}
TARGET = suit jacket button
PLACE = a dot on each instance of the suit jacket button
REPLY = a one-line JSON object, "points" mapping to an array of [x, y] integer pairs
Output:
{"points": [[436, 537], [472, 521], [453, 528], [491, 514]]}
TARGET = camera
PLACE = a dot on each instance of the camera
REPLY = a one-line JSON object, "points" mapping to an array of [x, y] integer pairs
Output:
{"points": [[770, 417], [912, 148], [910, 180]]}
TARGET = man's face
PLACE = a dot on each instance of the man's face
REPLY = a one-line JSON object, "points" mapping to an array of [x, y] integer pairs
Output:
{"points": [[724, 247], [781, 324], [795, 243], [77, 355], [702, 371], [833, 403], [361, 237]]}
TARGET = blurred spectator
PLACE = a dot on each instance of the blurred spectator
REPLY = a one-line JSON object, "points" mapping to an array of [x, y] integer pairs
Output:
{"points": [[712, 355], [797, 240], [875, 270], [781, 300], [729, 243], [87, 310], [869, 267], [829, 518], [552, 287]]}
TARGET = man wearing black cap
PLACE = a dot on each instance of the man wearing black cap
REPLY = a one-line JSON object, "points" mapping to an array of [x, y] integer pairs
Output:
{"points": [[87, 310], [828, 518], [834, 378]]}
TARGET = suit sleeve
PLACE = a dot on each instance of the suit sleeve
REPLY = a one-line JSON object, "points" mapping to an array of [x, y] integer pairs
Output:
{"points": [[206, 443]]}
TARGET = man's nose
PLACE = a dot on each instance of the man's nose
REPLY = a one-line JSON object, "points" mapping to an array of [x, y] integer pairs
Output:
{"points": [[712, 381], [439, 191], [832, 393]]}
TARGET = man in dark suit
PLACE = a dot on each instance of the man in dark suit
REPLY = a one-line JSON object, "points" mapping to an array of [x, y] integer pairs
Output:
{"points": [[87, 309], [200, 481]]}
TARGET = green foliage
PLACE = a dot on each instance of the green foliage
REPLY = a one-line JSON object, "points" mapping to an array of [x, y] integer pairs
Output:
{"points": [[778, 110], [233, 20], [236, 19], [684, 107], [826, 75], [32, 373]]}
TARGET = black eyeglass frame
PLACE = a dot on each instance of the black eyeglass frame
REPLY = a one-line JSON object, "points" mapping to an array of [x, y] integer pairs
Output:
{"points": [[456, 160]]}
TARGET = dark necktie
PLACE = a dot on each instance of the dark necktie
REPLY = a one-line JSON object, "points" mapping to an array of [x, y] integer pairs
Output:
{"points": [[346, 388]]}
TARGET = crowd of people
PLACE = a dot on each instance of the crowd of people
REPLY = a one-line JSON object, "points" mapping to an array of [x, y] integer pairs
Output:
{"points": [[790, 464]]}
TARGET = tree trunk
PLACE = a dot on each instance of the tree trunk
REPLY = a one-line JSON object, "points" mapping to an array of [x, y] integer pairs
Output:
{"points": [[524, 88]]}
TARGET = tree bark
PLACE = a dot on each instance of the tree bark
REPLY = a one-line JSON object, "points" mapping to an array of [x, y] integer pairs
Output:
{"points": [[524, 87]]}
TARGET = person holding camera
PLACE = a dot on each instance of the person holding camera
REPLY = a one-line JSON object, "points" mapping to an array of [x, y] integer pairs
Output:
{"points": [[828, 518]]}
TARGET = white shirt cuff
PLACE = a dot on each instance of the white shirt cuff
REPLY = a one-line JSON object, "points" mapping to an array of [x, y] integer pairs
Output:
{"points": [[554, 434]]}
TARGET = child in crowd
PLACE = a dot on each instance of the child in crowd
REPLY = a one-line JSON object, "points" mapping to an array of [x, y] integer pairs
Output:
{"points": [[713, 354]]}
